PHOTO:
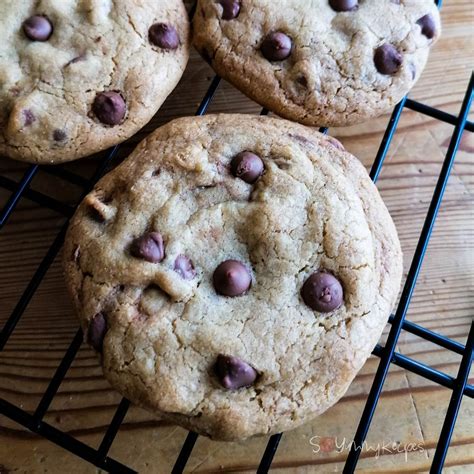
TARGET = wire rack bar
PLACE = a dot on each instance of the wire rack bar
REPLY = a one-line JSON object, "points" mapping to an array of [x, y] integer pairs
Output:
{"points": [[112, 430], [437, 114], [454, 404], [66, 175], [60, 438], [386, 141], [185, 452], [269, 453], [58, 377], [204, 105], [16, 195], [407, 292], [424, 370], [431, 336], [35, 196]]}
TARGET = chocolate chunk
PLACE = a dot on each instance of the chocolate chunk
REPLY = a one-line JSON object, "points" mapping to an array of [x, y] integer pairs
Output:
{"points": [[163, 35], [184, 266], [59, 135], [387, 59], [109, 107], [38, 28], [247, 166], [231, 278], [276, 46], [149, 247], [428, 26], [96, 331], [344, 5], [28, 117], [234, 373], [230, 9], [322, 292]]}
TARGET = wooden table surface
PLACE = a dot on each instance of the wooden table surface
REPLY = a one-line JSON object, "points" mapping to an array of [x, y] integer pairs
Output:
{"points": [[411, 409]]}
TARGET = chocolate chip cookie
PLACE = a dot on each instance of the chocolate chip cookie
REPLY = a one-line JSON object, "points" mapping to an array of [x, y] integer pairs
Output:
{"points": [[235, 272], [79, 77], [319, 62]]}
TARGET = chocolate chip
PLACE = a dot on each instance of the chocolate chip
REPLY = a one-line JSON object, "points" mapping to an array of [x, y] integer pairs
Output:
{"points": [[276, 46], [234, 373], [184, 266], [96, 331], [230, 9], [344, 5], [387, 59], [163, 35], [38, 28], [29, 117], [322, 292], [231, 278], [149, 247], [247, 166], [59, 135], [428, 26], [109, 107]]}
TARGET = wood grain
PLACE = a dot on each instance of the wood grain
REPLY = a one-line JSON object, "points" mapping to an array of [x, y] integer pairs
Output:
{"points": [[411, 409]]}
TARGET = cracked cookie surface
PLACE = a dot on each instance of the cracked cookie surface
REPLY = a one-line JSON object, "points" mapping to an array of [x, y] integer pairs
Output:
{"points": [[319, 62], [188, 275], [77, 77]]}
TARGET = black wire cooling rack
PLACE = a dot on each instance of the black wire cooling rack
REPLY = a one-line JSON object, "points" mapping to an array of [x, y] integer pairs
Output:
{"points": [[458, 385]]}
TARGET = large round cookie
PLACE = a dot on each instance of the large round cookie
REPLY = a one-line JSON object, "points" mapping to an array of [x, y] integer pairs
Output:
{"points": [[77, 77], [233, 302], [319, 62]]}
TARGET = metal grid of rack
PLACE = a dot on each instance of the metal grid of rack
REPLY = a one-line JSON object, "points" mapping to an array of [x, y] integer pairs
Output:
{"points": [[99, 457]]}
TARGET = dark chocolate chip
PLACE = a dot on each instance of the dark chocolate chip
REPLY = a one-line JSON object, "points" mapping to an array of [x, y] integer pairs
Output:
{"points": [[276, 46], [247, 166], [322, 292], [184, 266], [387, 59], [109, 107], [38, 28], [59, 135], [428, 26], [230, 9], [163, 35], [96, 331], [344, 5], [234, 373], [231, 278], [149, 247], [29, 117]]}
